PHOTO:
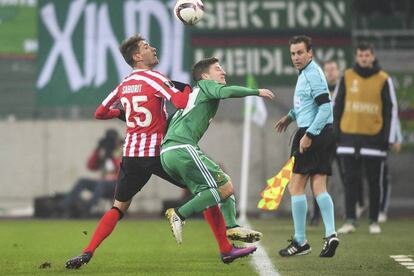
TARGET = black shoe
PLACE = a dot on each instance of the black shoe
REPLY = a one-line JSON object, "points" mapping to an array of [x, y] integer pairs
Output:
{"points": [[294, 248], [78, 261], [329, 246]]}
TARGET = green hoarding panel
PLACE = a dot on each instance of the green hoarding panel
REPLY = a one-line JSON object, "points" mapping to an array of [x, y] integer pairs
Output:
{"points": [[17, 28], [79, 62]]}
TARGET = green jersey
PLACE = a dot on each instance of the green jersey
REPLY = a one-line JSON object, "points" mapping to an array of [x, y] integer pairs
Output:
{"points": [[188, 125]]}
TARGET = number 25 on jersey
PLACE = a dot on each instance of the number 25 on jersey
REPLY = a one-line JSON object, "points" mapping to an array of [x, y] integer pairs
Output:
{"points": [[134, 108]]}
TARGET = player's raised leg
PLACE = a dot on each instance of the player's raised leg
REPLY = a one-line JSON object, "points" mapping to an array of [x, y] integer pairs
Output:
{"points": [[217, 224], [210, 185], [190, 166], [197, 204]]}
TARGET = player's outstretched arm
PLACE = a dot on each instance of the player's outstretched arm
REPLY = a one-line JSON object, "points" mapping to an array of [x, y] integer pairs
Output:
{"points": [[266, 93], [215, 90]]}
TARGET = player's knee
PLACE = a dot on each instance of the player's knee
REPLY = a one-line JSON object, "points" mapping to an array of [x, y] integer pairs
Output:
{"points": [[122, 206], [291, 190], [296, 189], [226, 190]]}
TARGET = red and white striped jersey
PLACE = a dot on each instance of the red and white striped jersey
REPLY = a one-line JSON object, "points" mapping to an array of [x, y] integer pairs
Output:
{"points": [[142, 95]]}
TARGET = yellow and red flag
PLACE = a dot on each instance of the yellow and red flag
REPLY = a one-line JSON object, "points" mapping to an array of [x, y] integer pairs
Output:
{"points": [[273, 193]]}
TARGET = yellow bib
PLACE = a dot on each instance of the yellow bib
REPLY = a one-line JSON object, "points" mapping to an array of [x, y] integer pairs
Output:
{"points": [[363, 104]]}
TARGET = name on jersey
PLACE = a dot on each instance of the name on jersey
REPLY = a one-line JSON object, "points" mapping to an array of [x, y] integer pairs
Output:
{"points": [[136, 88], [362, 107]]}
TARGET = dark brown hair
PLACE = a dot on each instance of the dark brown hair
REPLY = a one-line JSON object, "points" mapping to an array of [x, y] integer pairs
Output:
{"points": [[129, 47], [302, 38], [331, 61], [363, 46], [202, 67]]}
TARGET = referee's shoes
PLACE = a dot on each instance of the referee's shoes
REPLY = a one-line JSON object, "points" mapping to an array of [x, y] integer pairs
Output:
{"points": [[329, 246], [294, 248], [328, 250]]}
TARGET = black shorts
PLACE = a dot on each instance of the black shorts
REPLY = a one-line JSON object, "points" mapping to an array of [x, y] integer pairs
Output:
{"points": [[135, 173], [318, 158]]}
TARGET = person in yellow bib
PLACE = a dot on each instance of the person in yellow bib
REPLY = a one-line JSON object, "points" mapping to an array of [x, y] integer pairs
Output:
{"points": [[365, 120]]}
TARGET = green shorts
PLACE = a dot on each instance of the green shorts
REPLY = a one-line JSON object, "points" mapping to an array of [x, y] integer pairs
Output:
{"points": [[191, 167]]}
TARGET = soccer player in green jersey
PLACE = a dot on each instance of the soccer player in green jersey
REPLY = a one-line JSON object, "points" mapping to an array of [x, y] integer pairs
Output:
{"points": [[183, 160]]}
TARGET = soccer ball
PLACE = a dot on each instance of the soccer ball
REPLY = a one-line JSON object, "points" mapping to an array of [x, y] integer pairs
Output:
{"points": [[189, 11]]}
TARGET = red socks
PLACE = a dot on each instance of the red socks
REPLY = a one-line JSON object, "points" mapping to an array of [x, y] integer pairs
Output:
{"points": [[105, 227], [213, 216], [215, 219]]}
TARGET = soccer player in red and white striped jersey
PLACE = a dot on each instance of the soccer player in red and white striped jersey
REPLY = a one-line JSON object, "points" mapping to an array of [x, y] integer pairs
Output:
{"points": [[143, 95]]}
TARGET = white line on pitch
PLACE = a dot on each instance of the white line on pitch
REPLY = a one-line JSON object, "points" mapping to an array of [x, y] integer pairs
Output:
{"points": [[404, 260], [260, 259]]}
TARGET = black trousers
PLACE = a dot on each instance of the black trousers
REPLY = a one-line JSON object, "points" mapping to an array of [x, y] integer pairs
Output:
{"points": [[354, 169], [386, 187]]}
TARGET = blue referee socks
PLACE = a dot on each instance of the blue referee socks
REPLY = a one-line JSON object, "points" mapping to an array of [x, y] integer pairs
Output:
{"points": [[327, 209], [299, 211]]}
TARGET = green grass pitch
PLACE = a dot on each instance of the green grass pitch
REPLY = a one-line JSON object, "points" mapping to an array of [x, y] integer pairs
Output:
{"points": [[146, 247]]}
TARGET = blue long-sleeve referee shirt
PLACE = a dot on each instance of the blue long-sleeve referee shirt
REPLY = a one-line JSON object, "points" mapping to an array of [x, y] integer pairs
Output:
{"points": [[311, 84]]}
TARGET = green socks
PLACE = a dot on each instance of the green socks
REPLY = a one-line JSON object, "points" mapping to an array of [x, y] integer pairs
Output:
{"points": [[228, 208], [199, 202]]}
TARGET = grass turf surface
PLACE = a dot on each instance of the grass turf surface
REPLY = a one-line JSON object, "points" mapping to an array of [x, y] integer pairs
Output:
{"points": [[146, 247], [359, 253]]}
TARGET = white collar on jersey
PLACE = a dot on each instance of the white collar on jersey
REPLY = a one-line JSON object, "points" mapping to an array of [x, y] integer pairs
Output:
{"points": [[139, 70]]}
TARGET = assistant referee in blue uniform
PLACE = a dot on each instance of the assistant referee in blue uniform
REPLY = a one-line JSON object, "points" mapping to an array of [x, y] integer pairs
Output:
{"points": [[313, 147]]}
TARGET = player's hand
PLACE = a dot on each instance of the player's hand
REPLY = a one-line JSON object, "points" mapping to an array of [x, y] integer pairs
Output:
{"points": [[266, 93], [283, 123], [305, 143]]}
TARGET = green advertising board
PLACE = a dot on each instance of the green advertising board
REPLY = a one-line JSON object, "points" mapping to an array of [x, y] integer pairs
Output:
{"points": [[79, 62], [252, 36], [78, 59], [17, 29]]}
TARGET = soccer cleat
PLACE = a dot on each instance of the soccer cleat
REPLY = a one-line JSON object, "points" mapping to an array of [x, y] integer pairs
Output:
{"points": [[243, 234], [329, 246], [347, 228], [294, 248], [237, 252], [78, 261], [374, 228], [176, 224]]}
